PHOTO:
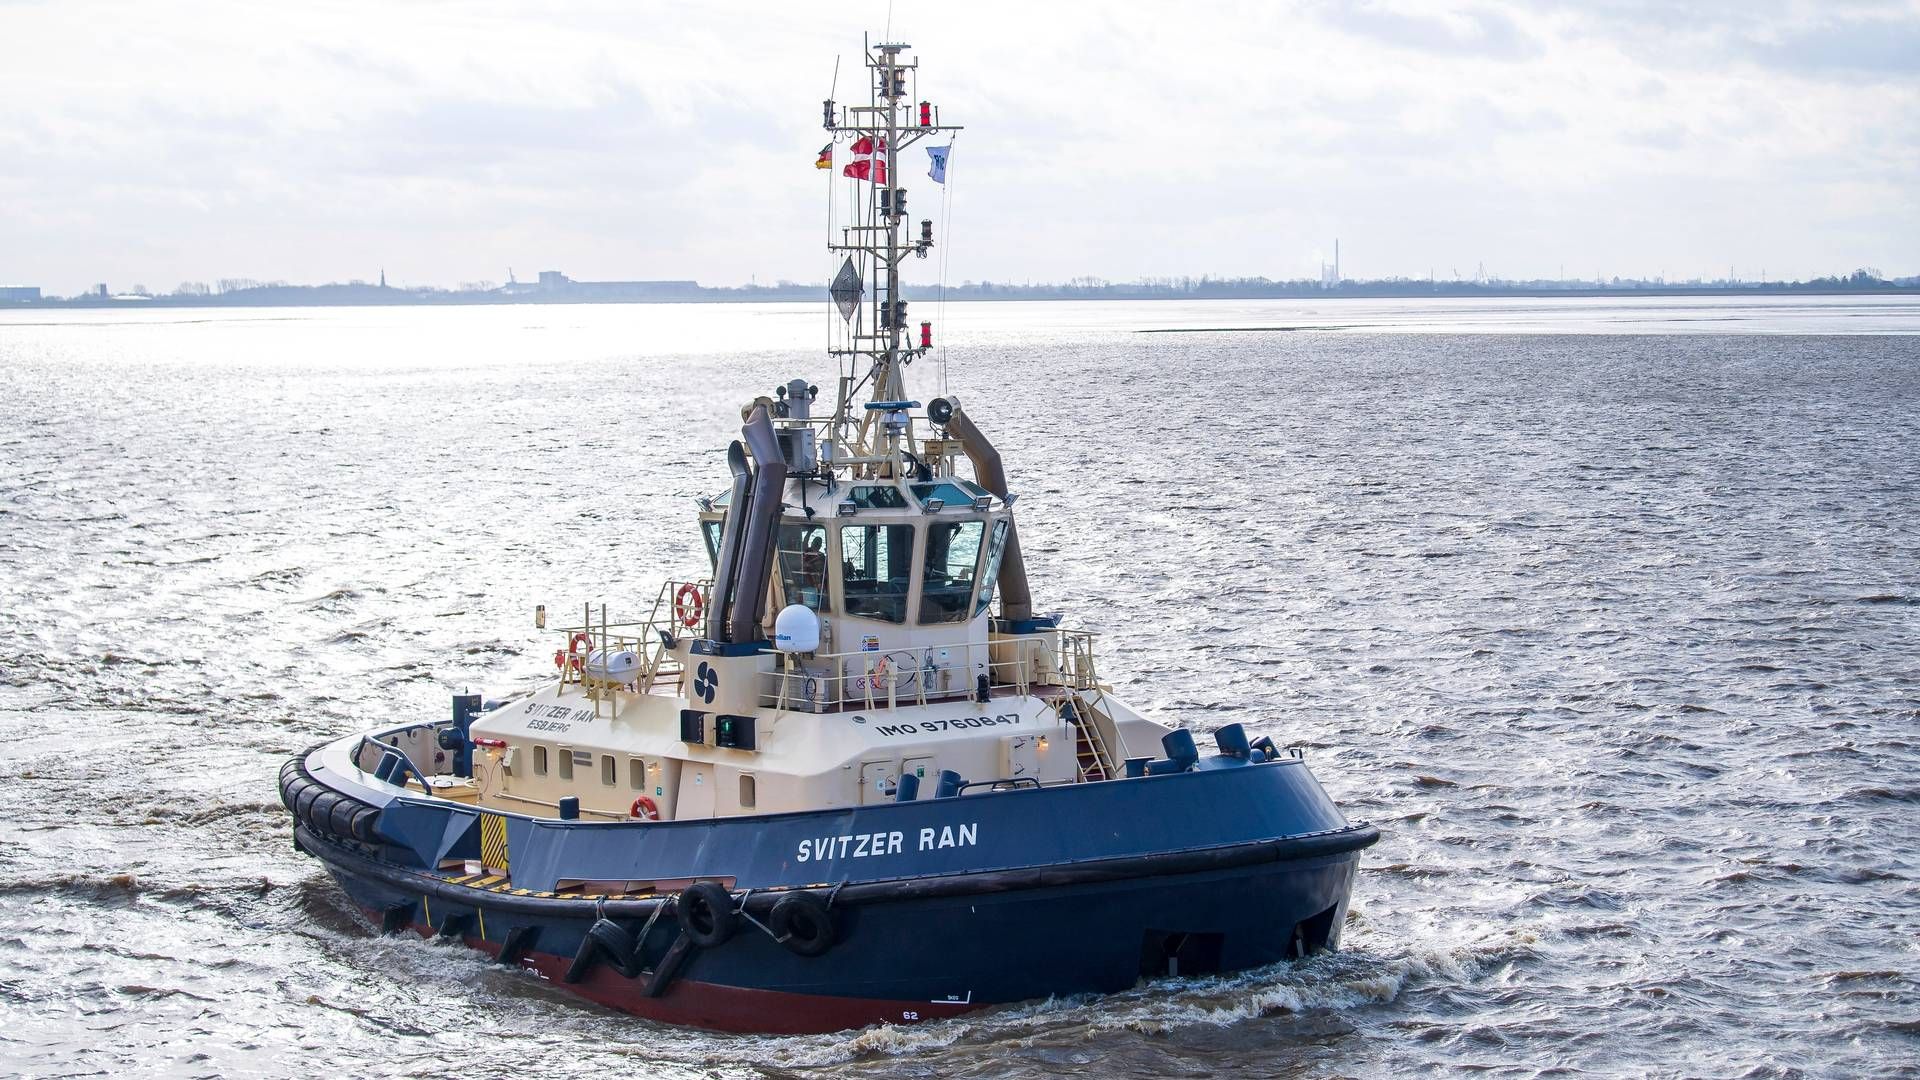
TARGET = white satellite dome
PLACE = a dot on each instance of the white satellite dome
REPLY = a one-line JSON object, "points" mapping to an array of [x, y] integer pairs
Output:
{"points": [[796, 629]]}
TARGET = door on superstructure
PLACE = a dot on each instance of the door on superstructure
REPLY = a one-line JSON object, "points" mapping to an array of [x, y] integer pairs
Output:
{"points": [[696, 791], [877, 779]]}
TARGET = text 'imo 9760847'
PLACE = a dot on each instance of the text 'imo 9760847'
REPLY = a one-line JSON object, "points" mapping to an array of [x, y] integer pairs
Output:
{"points": [[832, 785]]}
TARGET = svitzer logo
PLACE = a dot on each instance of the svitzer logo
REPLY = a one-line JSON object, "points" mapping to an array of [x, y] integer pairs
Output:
{"points": [[706, 681]]}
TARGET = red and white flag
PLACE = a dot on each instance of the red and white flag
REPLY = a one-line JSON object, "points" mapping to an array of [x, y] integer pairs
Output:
{"points": [[869, 161]]}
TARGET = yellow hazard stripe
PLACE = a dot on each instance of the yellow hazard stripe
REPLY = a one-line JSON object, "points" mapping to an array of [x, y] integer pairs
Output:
{"points": [[493, 841]]}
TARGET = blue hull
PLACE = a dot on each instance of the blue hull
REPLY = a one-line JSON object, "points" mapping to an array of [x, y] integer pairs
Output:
{"points": [[1003, 911]]}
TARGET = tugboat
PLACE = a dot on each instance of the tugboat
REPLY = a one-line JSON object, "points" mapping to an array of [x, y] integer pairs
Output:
{"points": [[852, 778]]}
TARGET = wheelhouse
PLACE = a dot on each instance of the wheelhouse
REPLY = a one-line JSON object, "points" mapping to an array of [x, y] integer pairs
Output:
{"points": [[899, 555]]}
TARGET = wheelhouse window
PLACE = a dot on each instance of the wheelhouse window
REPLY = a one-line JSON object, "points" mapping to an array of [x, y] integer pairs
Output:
{"points": [[876, 567], [946, 586], [877, 497], [802, 551], [710, 532], [991, 575], [950, 492]]}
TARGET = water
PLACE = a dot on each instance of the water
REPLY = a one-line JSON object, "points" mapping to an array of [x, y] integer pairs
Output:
{"points": [[1615, 633]]}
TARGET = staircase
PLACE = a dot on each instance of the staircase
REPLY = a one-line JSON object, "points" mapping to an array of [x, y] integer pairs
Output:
{"points": [[1091, 752]]}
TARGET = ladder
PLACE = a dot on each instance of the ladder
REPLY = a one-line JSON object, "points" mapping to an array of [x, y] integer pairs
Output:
{"points": [[1093, 757]]}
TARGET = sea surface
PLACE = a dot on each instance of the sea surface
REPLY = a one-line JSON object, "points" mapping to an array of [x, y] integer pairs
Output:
{"points": [[1607, 612]]}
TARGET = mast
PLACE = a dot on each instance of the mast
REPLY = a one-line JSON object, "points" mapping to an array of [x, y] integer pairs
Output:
{"points": [[878, 346]]}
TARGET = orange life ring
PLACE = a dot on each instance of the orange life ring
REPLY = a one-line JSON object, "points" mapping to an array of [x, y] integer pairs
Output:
{"points": [[644, 810], [688, 605], [577, 646]]}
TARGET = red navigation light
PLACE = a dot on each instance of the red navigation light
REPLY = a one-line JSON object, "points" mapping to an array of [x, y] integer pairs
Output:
{"points": [[926, 335], [926, 114]]}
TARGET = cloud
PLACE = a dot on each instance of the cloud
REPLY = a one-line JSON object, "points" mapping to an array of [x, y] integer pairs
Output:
{"points": [[1480, 32], [1875, 46], [643, 138]]}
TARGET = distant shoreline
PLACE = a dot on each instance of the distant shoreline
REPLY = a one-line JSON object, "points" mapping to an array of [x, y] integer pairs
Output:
{"points": [[375, 296]]}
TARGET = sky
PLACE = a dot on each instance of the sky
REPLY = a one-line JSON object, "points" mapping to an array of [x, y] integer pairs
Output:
{"points": [[152, 143]]}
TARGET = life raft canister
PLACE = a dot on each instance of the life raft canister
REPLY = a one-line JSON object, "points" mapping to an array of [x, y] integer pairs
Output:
{"points": [[644, 809], [688, 605]]}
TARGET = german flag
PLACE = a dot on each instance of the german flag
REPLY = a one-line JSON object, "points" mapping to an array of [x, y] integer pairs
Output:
{"points": [[825, 161]]}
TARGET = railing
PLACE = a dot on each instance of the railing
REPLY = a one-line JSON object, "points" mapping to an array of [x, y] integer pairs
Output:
{"points": [[1096, 734], [679, 607], [825, 682]]}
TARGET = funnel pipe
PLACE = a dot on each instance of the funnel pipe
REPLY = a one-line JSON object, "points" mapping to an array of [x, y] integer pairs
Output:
{"points": [[728, 558], [1016, 603], [755, 572]]}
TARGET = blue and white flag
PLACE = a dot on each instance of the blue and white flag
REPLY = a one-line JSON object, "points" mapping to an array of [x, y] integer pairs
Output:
{"points": [[937, 168]]}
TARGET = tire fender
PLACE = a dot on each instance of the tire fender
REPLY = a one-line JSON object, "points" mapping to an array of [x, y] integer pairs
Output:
{"points": [[706, 914], [802, 923]]}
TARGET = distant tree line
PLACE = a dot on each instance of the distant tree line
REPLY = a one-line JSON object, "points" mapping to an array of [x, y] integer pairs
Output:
{"points": [[249, 292]]}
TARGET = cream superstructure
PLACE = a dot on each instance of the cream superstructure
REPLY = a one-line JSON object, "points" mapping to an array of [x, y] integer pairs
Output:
{"points": [[846, 649]]}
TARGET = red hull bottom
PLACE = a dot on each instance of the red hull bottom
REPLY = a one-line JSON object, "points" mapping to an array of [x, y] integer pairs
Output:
{"points": [[721, 1008]]}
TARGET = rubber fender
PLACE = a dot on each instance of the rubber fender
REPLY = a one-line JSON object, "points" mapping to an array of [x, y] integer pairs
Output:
{"points": [[583, 960], [706, 914], [617, 945], [289, 773], [289, 790], [362, 825], [303, 801], [320, 811], [668, 969], [520, 941], [290, 795], [340, 822], [802, 923], [604, 940]]}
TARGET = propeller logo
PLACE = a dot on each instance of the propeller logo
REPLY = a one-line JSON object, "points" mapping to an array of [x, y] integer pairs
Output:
{"points": [[705, 682]]}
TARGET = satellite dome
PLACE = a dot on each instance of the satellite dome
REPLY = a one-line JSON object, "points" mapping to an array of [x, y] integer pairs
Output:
{"points": [[796, 629]]}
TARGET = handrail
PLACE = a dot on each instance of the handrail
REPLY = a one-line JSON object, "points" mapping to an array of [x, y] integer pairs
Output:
{"points": [[1006, 784], [649, 638], [874, 679], [511, 797]]}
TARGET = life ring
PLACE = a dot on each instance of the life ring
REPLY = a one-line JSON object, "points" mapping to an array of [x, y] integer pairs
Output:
{"points": [[802, 923], [577, 647], [644, 810], [706, 914], [688, 605]]}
